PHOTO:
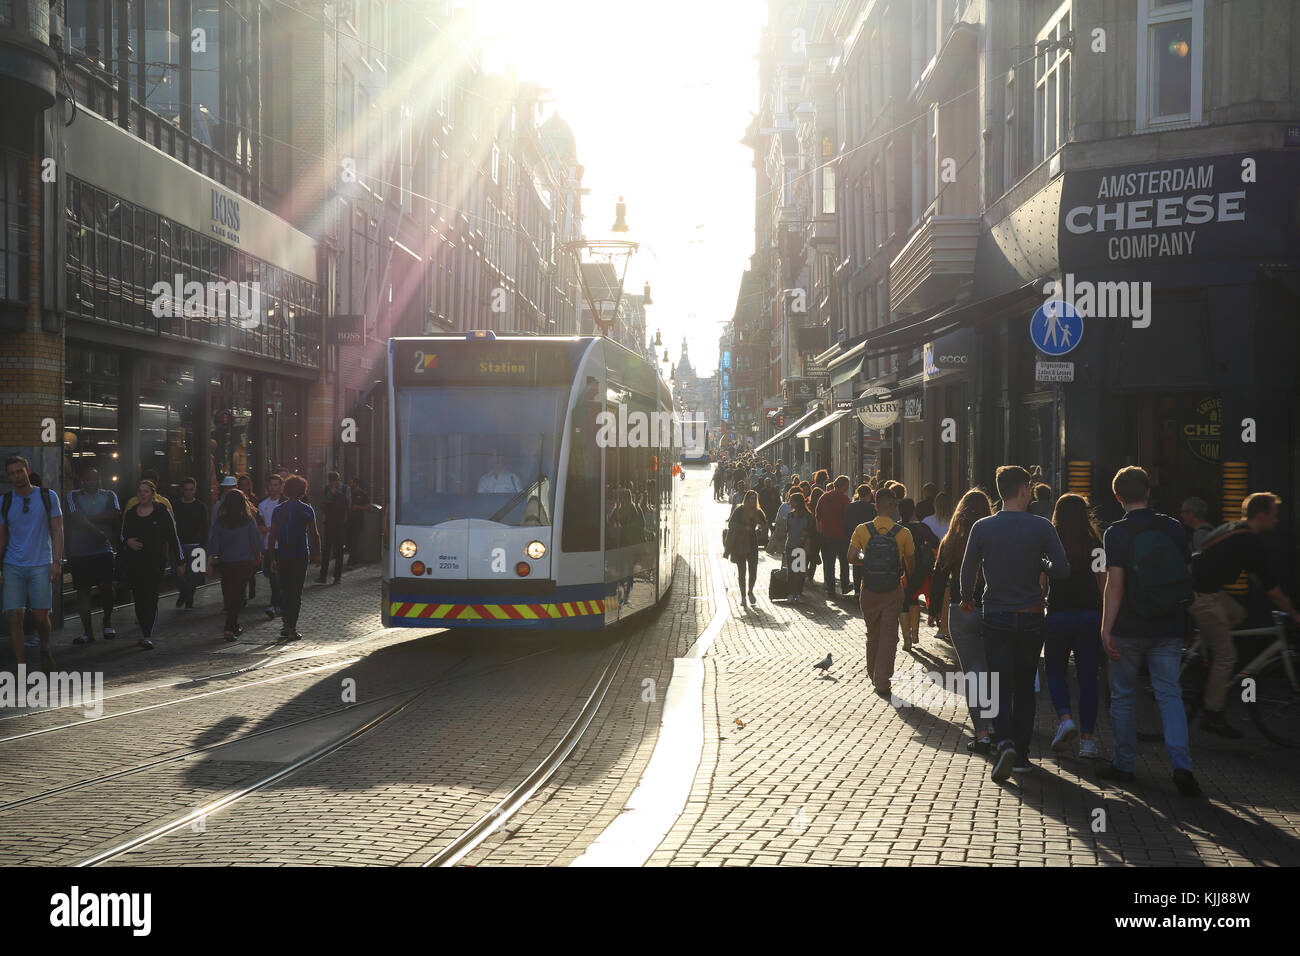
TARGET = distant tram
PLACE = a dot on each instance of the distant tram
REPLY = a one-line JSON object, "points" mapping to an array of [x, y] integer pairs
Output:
{"points": [[695, 442], [521, 497]]}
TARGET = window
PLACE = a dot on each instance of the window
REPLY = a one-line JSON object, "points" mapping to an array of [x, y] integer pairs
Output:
{"points": [[496, 164], [1169, 58], [1009, 165], [876, 62], [13, 220], [1052, 86], [878, 200], [828, 190], [891, 191], [924, 36]]}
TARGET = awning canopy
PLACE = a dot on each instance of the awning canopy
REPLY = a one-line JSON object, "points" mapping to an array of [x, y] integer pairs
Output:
{"points": [[817, 426], [846, 372], [900, 338], [784, 433]]}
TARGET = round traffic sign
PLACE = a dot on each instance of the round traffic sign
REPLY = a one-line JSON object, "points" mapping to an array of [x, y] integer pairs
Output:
{"points": [[1055, 327]]}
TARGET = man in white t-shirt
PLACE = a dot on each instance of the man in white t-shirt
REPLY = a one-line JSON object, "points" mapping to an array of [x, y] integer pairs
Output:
{"points": [[266, 508], [498, 480]]}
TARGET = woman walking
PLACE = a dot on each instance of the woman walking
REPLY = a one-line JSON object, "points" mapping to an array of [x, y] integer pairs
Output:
{"points": [[237, 543], [965, 627], [742, 541], [800, 526], [149, 533], [927, 546], [297, 541], [1074, 624], [938, 524]]}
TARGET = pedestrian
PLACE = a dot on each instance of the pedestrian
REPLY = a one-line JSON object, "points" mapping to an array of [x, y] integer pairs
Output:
{"points": [[859, 511], [150, 474], [918, 582], [31, 556], [149, 533], [356, 515], [937, 520], [1042, 505], [1195, 515], [297, 542], [244, 484], [834, 542], [192, 527], [799, 524], [1013, 547], [1229, 551], [966, 630], [925, 507], [334, 507], [738, 495], [266, 509], [719, 479], [1074, 626], [742, 541], [814, 536], [885, 550], [1144, 617], [821, 479], [769, 499], [236, 543], [92, 511]]}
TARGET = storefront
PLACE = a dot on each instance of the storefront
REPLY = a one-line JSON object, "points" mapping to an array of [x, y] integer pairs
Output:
{"points": [[194, 320]]}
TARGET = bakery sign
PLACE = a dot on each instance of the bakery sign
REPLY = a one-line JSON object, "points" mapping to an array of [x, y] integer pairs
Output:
{"points": [[1197, 208], [878, 414]]}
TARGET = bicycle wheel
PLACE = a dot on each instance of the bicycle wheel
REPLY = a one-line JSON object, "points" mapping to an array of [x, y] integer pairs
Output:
{"points": [[1276, 707]]}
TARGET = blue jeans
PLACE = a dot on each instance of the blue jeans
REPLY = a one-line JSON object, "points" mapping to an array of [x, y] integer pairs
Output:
{"points": [[1163, 656], [964, 629], [1080, 632], [1013, 641]]}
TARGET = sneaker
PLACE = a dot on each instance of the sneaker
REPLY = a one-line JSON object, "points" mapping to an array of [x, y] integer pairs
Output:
{"points": [[1186, 783], [1066, 734], [1006, 760], [1022, 766], [1112, 772], [1088, 749], [146, 643], [884, 693], [239, 629], [295, 636], [230, 636], [1216, 722], [110, 633], [84, 639], [271, 611], [982, 746], [189, 606], [180, 601]]}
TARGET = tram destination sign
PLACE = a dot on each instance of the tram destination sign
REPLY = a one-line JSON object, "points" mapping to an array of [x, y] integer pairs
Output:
{"points": [[460, 362]]}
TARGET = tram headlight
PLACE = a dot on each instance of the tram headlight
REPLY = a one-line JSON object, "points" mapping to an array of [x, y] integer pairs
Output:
{"points": [[408, 548], [522, 569], [535, 550]]}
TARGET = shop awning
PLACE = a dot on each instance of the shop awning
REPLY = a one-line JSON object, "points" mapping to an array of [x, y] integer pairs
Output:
{"points": [[817, 426], [846, 372], [901, 338], [784, 433]]}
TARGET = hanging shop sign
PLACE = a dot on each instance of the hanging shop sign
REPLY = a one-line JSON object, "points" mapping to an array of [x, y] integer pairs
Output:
{"points": [[912, 408], [878, 414], [954, 352]]}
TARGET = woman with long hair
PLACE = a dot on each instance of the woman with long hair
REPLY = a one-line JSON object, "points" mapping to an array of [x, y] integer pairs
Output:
{"points": [[742, 541], [1074, 624], [235, 542], [800, 525], [965, 626], [149, 533], [821, 479], [927, 546], [938, 524], [814, 536]]}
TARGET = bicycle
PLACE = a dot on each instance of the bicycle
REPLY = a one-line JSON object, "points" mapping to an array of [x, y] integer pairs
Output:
{"points": [[1274, 701]]}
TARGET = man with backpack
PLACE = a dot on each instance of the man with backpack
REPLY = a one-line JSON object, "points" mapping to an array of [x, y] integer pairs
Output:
{"points": [[1014, 548], [31, 555], [1144, 612], [885, 550], [1231, 550]]}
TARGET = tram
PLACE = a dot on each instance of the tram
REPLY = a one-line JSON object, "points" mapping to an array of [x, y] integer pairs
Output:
{"points": [[695, 442], [531, 482]]}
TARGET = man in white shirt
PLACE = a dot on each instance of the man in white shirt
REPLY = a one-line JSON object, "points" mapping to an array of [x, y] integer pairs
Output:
{"points": [[498, 480], [266, 509]]}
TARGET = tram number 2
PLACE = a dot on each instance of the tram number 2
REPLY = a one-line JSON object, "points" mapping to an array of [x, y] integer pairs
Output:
{"points": [[425, 361]]}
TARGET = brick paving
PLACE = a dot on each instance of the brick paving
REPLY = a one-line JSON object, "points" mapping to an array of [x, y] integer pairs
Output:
{"points": [[825, 772]]}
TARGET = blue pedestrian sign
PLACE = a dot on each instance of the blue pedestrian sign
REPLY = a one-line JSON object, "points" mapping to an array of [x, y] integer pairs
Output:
{"points": [[1056, 327]]}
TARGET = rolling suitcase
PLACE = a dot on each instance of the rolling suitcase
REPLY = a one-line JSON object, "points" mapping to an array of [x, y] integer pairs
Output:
{"points": [[778, 585]]}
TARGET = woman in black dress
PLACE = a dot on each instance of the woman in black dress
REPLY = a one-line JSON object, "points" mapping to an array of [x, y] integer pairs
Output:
{"points": [[742, 541], [148, 533]]}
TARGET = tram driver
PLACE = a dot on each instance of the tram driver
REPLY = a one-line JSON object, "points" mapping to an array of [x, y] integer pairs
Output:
{"points": [[499, 480]]}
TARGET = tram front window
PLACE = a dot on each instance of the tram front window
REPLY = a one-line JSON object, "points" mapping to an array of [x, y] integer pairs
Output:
{"points": [[476, 452]]}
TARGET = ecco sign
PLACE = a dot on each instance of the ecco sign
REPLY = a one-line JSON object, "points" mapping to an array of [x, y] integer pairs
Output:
{"points": [[949, 353]]}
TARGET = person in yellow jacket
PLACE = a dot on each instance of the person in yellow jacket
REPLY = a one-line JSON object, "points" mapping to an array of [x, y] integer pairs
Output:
{"points": [[886, 552], [151, 475]]}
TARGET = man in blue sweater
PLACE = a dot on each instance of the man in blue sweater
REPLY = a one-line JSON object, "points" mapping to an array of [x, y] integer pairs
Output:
{"points": [[1014, 548]]}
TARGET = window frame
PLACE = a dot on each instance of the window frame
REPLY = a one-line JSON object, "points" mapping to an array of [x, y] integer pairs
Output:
{"points": [[1054, 78], [1149, 18]]}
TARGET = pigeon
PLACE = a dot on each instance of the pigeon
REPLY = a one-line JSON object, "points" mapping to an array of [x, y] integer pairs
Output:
{"points": [[824, 665]]}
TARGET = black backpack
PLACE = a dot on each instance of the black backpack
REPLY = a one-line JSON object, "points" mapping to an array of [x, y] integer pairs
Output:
{"points": [[883, 565], [1157, 580]]}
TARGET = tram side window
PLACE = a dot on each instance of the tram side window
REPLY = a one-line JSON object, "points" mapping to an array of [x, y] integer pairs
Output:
{"points": [[631, 480], [582, 495]]}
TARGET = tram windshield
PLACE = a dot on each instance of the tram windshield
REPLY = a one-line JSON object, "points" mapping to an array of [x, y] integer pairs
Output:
{"points": [[478, 452]]}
